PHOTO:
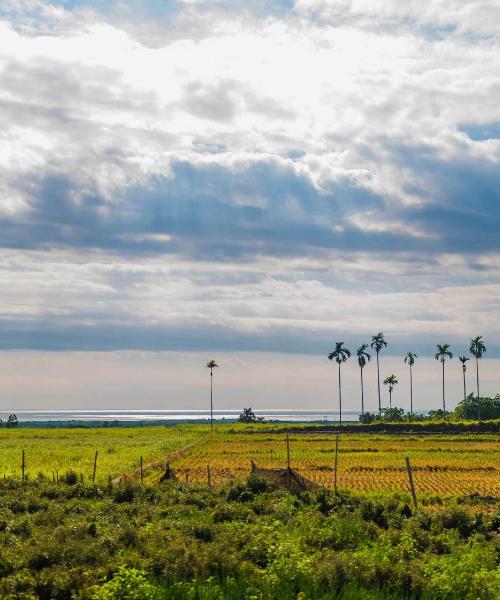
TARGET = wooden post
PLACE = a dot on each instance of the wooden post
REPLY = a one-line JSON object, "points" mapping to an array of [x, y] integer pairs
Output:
{"points": [[142, 471], [335, 470], [412, 485], [95, 466], [23, 465], [57, 475], [187, 476], [287, 460], [53, 477], [209, 478]]}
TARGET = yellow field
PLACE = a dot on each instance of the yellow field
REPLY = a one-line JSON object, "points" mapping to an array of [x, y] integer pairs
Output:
{"points": [[449, 465], [444, 465]]}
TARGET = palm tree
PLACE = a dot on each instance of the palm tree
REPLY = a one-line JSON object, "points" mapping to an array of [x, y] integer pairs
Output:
{"points": [[391, 381], [363, 358], [443, 352], [463, 360], [211, 364], [410, 361], [340, 355], [377, 344], [477, 349]]}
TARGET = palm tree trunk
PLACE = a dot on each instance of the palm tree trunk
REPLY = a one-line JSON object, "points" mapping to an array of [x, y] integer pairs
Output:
{"points": [[465, 394], [211, 401], [378, 382], [411, 392], [444, 401], [362, 394], [390, 398], [477, 380], [340, 398]]}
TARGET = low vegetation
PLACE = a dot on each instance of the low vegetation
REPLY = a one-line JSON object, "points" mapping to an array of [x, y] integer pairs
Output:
{"points": [[240, 541]]}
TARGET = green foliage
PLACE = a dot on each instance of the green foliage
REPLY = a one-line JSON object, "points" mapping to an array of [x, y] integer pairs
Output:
{"points": [[248, 416], [467, 408], [127, 584], [244, 541], [12, 421]]}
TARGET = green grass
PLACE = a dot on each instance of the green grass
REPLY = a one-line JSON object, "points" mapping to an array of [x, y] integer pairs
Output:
{"points": [[120, 449]]}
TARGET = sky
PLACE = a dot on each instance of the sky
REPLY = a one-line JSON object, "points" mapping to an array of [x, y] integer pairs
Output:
{"points": [[249, 181]]}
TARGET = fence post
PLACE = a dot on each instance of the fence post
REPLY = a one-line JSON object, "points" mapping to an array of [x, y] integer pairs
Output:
{"points": [[57, 475], [23, 465], [335, 471], [209, 478], [95, 466], [412, 485], [142, 471], [288, 460]]}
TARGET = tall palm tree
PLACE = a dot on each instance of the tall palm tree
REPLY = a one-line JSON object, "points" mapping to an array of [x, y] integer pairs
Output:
{"points": [[410, 361], [377, 344], [391, 381], [363, 358], [477, 349], [211, 364], [442, 353], [464, 360], [339, 355]]}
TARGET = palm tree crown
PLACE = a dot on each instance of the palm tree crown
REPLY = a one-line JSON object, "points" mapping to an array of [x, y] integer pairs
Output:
{"points": [[477, 347], [339, 354], [463, 360], [443, 352], [211, 364], [378, 342], [391, 381], [363, 355], [410, 358]]}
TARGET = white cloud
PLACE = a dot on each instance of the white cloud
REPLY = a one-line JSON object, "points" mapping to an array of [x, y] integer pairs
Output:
{"points": [[336, 119]]}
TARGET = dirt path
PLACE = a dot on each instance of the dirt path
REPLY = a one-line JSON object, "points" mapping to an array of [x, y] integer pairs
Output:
{"points": [[158, 465]]}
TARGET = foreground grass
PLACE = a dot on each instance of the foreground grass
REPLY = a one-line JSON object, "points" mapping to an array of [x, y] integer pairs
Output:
{"points": [[240, 541], [48, 451]]}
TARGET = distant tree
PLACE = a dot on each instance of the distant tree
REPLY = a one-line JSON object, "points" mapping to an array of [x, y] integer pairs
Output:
{"points": [[12, 421], [477, 349], [489, 407], [339, 355], [438, 415], [367, 417], [391, 381], [363, 358], [443, 352], [378, 343], [248, 416], [410, 361], [393, 414], [211, 364], [463, 360]]}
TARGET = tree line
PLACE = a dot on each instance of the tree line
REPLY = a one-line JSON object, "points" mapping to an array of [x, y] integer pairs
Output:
{"points": [[340, 354]]}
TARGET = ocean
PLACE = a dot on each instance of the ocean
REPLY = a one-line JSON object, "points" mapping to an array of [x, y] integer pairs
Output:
{"points": [[177, 415]]}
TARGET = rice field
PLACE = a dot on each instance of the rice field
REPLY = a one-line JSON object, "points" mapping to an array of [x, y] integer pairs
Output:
{"points": [[445, 465], [448, 465]]}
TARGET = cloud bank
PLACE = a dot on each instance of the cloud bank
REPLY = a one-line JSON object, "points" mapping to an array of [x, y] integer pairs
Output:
{"points": [[249, 176]]}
